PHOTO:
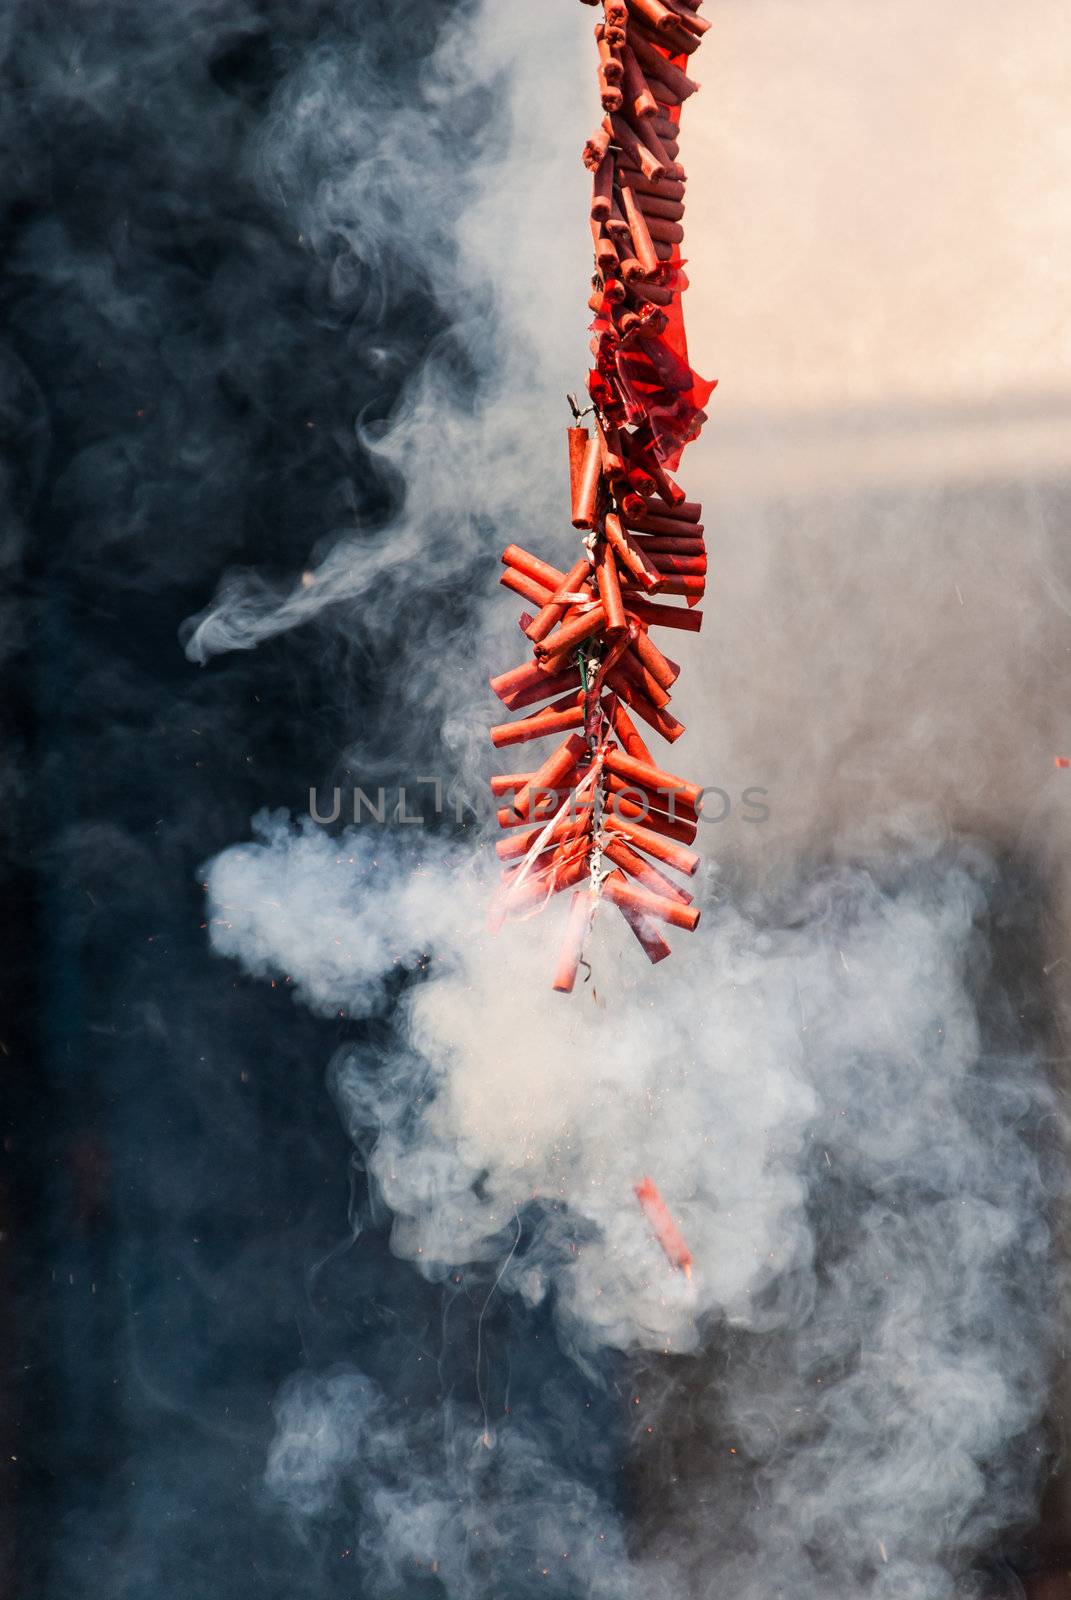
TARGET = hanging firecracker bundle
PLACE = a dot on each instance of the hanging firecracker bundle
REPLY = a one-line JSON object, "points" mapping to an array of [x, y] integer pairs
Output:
{"points": [[600, 814]]}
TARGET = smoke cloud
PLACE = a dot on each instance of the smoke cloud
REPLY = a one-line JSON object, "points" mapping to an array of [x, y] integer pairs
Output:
{"points": [[365, 185], [437, 1503], [831, 1083], [861, 1157]]}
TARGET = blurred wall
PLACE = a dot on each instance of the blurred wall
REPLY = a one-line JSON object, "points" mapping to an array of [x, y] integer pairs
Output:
{"points": [[879, 228], [879, 222]]}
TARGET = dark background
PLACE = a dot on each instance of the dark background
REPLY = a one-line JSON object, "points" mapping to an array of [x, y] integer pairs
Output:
{"points": [[179, 382]]}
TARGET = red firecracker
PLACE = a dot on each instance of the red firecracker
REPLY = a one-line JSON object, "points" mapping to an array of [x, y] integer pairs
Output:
{"points": [[663, 1227], [604, 818]]}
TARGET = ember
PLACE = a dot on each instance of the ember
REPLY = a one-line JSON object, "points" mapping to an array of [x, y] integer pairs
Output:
{"points": [[592, 654]]}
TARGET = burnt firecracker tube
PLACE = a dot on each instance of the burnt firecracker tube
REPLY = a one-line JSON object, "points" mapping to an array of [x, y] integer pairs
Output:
{"points": [[664, 1227], [594, 809]]}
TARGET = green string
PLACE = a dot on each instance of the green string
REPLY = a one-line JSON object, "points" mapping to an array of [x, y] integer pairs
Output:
{"points": [[582, 661]]}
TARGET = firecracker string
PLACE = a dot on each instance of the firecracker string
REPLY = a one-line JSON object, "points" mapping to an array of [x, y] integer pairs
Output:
{"points": [[611, 823]]}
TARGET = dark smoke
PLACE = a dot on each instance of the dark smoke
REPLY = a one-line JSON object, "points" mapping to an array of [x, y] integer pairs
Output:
{"points": [[187, 387]]}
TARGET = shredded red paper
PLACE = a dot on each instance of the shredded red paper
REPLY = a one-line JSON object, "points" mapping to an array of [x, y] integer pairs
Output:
{"points": [[600, 813]]}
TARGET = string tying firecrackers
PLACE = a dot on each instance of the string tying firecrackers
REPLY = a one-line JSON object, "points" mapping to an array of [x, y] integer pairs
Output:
{"points": [[605, 819], [500, 909]]}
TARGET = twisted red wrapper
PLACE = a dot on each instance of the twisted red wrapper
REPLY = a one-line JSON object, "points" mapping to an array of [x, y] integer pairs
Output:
{"points": [[602, 816]]}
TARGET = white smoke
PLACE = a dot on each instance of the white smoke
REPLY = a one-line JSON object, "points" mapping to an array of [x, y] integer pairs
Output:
{"points": [[563, 1105], [858, 1174], [862, 1196], [365, 182], [438, 1504]]}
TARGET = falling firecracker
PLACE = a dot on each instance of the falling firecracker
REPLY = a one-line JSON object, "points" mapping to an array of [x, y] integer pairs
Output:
{"points": [[600, 815], [663, 1226]]}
